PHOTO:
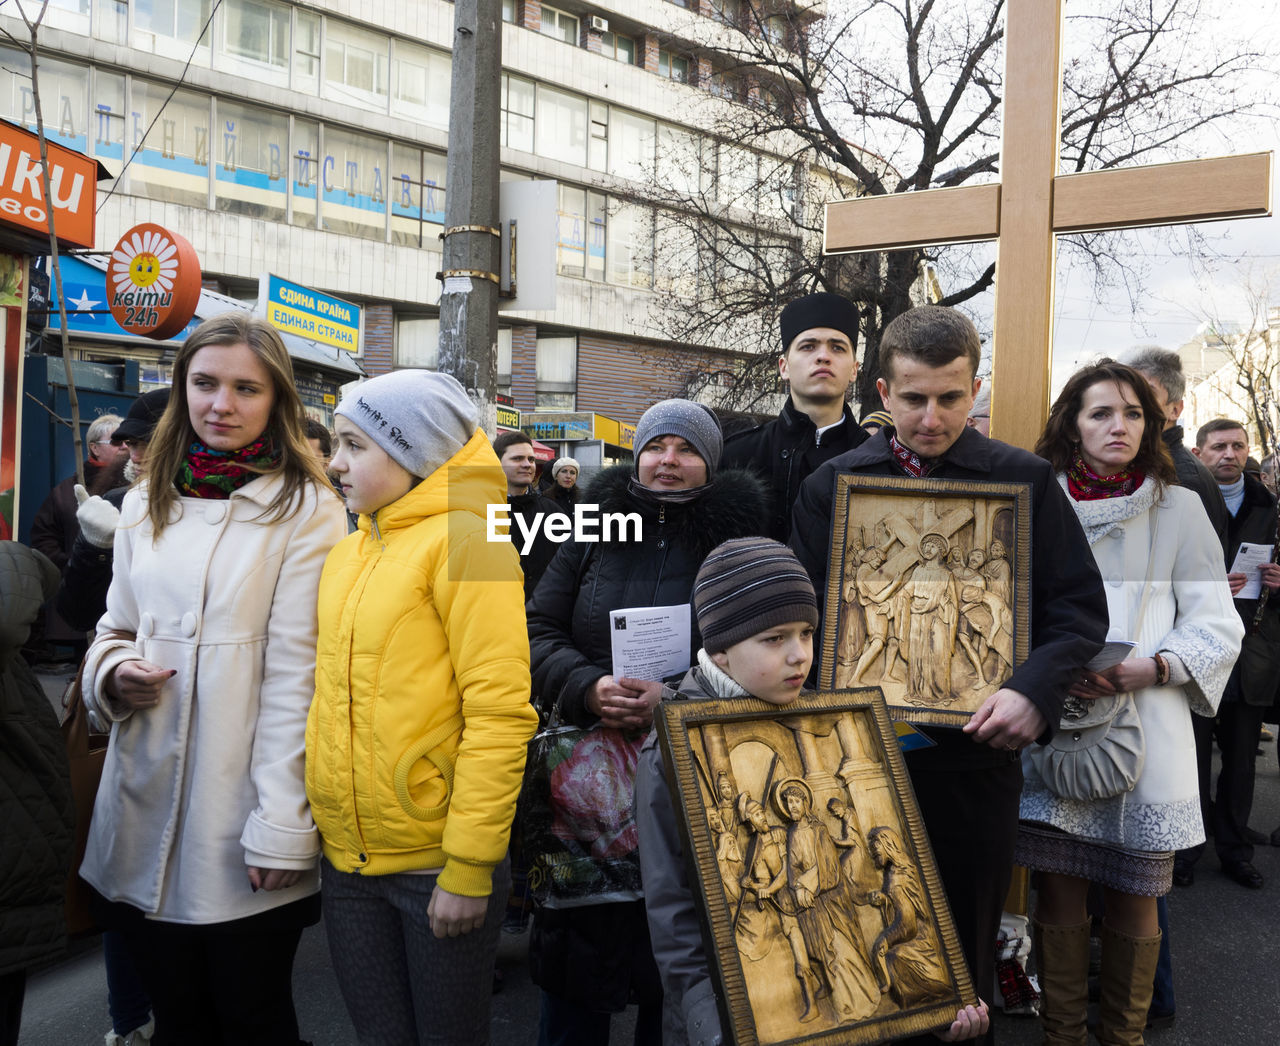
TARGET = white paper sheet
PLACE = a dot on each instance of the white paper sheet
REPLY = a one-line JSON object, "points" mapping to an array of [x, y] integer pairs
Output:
{"points": [[1248, 560], [1112, 653], [650, 642]]}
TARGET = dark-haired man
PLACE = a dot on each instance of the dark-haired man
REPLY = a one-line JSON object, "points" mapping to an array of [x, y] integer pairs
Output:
{"points": [[818, 361], [1223, 447], [1163, 371], [968, 784], [520, 464]]}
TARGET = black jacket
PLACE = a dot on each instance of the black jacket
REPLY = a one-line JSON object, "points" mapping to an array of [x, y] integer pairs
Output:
{"points": [[534, 564], [783, 453], [82, 596], [1255, 523], [36, 807], [1068, 605], [568, 616], [1195, 477], [599, 956]]}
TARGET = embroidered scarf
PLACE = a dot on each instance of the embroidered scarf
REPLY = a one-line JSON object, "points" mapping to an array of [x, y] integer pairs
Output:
{"points": [[214, 474], [1083, 484], [909, 461]]}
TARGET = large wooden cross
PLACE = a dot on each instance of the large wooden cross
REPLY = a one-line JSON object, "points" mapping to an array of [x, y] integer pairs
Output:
{"points": [[1032, 204]]}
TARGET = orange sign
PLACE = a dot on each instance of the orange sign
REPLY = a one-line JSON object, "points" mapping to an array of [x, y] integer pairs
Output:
{"points": [[73, 184], [153, 282]]}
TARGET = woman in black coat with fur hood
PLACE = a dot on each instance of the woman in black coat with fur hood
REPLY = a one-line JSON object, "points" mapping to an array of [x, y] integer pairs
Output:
{"points": [[593, 960]]}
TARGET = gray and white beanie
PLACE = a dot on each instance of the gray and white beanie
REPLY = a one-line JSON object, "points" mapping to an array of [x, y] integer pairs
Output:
{"points": [[419, 417], [688, 420]]}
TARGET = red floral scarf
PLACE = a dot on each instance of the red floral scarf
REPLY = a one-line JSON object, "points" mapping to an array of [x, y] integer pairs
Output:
{"points": [[214, 474], [1083, 484]]}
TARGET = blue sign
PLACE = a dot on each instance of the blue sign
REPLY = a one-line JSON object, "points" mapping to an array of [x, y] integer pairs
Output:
{"points": [[85, 288]]}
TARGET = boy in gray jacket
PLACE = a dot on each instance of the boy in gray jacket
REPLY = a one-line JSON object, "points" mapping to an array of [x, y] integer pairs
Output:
{"points": [[757, 612]]}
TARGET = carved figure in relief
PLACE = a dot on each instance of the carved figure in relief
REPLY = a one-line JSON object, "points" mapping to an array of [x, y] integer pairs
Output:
{"points": [[969, 633], [825, 904], [875, 593], [998, 573], [728, 855], [854, 857], [935, 611], [906, 952], [764, 914]]}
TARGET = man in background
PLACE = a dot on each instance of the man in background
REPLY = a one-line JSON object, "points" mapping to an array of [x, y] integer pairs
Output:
{"points": [[819, 338]]}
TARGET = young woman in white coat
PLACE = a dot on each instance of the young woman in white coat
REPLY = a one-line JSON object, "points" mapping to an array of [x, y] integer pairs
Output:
{"points": [[202, 845], [1167, 593]]}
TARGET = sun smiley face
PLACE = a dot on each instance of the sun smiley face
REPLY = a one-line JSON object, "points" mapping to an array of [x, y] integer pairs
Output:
{"points": [[144, 260]]}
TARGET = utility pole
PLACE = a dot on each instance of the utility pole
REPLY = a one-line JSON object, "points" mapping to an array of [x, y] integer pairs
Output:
{"points": [[469, 297]]}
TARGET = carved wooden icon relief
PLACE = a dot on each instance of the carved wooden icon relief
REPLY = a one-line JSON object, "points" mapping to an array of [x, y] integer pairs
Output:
{"points": [[928, 592], [824, 915]]}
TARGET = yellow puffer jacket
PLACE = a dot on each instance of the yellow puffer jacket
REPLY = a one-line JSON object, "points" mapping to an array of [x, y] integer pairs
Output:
{"points": [[416, 738]]}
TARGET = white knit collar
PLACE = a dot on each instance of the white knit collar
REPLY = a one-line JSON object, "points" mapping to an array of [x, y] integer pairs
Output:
{"points": [[717, 680]]}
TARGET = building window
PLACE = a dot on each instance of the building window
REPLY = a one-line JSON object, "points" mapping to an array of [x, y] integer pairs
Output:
{"points": [[722, 85], [306, 51], [517, 113], [598, 147], [580, 223], [631, 145], [417, 342], [560, 25], [560, 130], [557, 373], [509, 11], [257, 31], [421, 82], [774, 29], [158, 22], [727, 11], [355, 64], [675, 66], [630, 245], [618, 47]]}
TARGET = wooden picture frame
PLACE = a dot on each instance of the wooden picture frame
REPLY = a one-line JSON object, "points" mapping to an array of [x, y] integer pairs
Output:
{"points": [[928, 592], [823, 913]]}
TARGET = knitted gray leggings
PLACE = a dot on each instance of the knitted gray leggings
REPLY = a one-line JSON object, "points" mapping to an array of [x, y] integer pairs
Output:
{"points": [[403, 986]]}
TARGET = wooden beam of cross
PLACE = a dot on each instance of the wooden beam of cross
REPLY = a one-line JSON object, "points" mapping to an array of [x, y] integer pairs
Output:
{"points": [[1032, 204], [906, 533]]}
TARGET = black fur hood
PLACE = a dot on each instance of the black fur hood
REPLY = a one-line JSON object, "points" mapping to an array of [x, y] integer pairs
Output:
{"points": [[733, 504]]}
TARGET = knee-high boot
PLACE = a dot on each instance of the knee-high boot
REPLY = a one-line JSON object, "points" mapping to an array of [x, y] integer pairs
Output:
{"points": [[1128, 970], [1062, 963]]}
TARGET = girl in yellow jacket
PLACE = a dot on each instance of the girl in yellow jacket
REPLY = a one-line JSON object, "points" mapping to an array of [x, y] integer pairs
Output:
{"points": [[416, 738]]}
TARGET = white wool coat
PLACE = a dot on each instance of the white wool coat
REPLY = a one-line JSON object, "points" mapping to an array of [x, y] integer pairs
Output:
{"points": [[210, 780], [1189, 613]]}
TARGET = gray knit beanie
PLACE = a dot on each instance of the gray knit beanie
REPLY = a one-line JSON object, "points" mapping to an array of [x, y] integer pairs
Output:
{"points": [[688, 420], [419, 417], [746, 586]]}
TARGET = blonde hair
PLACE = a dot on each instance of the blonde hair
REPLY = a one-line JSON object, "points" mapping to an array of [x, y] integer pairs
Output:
{"points": [[174, 434]]}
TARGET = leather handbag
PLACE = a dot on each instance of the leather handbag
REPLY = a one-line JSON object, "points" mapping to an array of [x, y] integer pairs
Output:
{"points": [[1099, 749]]}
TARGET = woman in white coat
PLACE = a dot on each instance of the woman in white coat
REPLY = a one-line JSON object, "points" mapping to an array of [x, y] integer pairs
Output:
{"points": [[202, 846], [1167, 593]]}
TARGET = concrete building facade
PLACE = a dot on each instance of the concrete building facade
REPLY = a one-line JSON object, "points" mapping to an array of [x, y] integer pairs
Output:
{"points": [[309, 140]]}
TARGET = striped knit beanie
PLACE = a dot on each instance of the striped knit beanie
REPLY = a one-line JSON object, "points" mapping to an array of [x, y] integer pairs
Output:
{"points": [[749, 585]]}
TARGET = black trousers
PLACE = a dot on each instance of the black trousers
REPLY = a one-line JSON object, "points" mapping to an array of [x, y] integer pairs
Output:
{"points": [[972, 820], [219, 984], [13, 988], [1239, 725], [1227, 815]]}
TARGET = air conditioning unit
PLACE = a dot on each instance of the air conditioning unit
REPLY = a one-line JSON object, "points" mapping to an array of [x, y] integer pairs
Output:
{"points": [[599, 24]]}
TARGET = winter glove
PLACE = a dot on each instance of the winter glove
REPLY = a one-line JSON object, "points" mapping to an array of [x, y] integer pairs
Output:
{"points": [[97, 518]]}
